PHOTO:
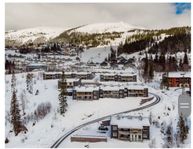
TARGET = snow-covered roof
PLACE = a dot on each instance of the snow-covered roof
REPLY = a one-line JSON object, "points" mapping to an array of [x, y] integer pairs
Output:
{"points": [[179, 74], [68, 72], [88, 81], [89, 136], [90, 88], [111, 88], [120, 74], [121, 86], [130, 121], [52, 73], [86, 88], [36, 64], [125, 75], [72, 79]]}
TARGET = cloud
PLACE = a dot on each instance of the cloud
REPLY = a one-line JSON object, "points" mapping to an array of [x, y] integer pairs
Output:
{"points": [[149, 15]]}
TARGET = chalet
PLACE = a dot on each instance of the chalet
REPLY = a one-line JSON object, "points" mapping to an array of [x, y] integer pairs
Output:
{"points": [[130, 128], [118, 77], [178, 79]]}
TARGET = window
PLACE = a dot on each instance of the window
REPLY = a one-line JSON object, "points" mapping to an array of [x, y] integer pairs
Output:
{"points": [[139, 137], [114, 128], [114, 134]]}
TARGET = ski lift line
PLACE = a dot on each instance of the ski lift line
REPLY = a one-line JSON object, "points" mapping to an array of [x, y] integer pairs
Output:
{"points": [[62, 138]]}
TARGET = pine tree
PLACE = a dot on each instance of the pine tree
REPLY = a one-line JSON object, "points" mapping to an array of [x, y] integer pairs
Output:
{"points": [[182, 133], [29, 83], [62, 95], [23, 101], [169, 137], [13, 81], [156, 58], [146, 66], [15, 111], [180, 64], [151, 71], [185, 58]]}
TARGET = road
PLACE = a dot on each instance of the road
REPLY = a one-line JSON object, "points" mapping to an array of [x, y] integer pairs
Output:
{"points": [[62, 138]]}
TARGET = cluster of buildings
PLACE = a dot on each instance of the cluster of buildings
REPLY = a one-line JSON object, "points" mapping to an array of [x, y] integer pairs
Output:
{"points": [[82, 86]]}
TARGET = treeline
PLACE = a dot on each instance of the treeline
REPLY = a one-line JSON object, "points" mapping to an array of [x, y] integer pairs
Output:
{"points": [[89, 40], [176, 39], [172, 44], [135, 46], [50, 47]]}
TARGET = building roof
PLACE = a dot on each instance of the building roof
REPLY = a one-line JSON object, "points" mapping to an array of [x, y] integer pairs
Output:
{"points": [[90, 88], [130, 121], [179, 74], [86, 88], [36, 64], [120, 74], [72, 79]]}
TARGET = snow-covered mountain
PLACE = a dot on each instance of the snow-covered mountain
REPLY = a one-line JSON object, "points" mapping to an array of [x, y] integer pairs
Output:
{"points": [[106, 27], [33, 34]]}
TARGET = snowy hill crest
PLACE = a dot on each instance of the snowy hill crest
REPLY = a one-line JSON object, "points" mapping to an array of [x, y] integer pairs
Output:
{"points": [[106, 28]]}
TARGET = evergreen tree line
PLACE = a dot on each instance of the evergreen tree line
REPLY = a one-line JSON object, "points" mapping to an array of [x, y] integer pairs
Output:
{"points": [[161, 63], [172, 44], [177, 41], [135, 46], [16, 120], [10, 66]]}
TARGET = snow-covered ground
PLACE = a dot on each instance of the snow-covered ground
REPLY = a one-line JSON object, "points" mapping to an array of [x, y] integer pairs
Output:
{"points": [[164, 112], [95, 54], [47, 130]]}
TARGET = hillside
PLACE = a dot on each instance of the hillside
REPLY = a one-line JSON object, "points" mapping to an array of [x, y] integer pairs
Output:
{"points": [[31, 35], [163, 41], [129, 38]]}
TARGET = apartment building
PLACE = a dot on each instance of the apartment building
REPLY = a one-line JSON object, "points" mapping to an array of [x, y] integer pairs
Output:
{"points": [[118, 77], [57, 75], [130, 128], [178, 79], [96, 92]]}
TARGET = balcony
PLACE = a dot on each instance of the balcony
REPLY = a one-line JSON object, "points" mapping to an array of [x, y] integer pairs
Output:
{"points": [[124, 132]]}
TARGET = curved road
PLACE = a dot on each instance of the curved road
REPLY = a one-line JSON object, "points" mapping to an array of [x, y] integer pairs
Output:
{"points": [[61, 139]]}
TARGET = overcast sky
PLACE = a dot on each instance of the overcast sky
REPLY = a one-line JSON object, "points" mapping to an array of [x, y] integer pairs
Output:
{"points": [[158, 15]]}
